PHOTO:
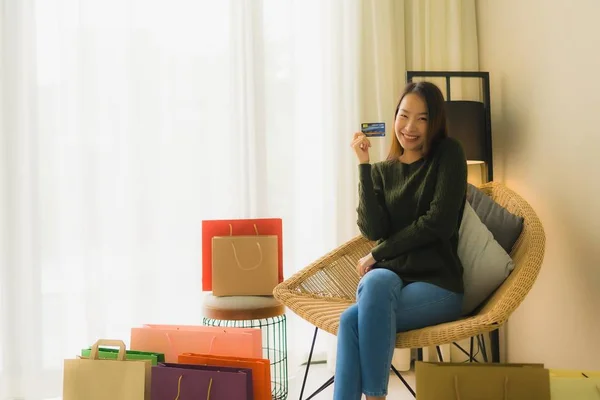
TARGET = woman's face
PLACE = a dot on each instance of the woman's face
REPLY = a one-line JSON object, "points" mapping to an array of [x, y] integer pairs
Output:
{"points": [[411, 123]]}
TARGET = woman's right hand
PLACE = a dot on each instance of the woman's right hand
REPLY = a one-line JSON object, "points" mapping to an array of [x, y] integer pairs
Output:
{"points": [[365, 264], [361, 144]]}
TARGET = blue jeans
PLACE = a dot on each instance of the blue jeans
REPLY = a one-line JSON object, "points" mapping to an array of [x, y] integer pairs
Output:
{"points": [[367, 332]]}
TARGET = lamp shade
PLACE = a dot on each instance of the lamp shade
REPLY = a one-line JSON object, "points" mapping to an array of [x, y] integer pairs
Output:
{"points": [[466, 123]]}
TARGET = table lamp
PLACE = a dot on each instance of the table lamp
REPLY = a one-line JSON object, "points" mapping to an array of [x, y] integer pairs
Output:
{"points": [[469, 121]]}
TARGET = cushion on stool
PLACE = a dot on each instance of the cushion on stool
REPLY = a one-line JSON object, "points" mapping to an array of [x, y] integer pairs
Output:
{"points": [[241, 307]]}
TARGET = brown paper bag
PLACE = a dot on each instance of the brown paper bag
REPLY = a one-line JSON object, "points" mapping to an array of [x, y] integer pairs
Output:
{"points": [[244, 265], [474, 381], [100, 379]]}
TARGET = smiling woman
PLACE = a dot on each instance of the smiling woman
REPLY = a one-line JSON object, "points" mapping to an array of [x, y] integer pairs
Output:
{"points": [[411, 205]]}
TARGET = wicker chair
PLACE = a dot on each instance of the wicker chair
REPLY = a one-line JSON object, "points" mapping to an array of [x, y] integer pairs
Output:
{"points": [[320, 292]]}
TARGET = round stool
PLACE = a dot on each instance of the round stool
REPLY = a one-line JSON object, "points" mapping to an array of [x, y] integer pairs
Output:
{"points": [[262, 312]]}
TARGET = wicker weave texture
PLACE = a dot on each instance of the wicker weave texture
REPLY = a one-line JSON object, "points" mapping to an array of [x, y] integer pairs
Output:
{"points": [[320, 292]]}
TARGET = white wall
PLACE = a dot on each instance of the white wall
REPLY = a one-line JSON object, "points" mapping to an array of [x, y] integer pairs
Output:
{"points": [[544, 61]]}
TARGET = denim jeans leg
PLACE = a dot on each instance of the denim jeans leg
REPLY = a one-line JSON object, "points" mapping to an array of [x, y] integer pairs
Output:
{"points": [[377, 299], [422, 304], [347, 367], [367, 332]]}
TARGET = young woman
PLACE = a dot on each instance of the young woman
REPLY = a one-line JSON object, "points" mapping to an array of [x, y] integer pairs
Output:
{"points": [[411, 204]]}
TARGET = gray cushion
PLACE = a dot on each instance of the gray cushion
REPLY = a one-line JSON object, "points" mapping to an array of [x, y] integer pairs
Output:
{"points": [[485, 263], [505, 226]]}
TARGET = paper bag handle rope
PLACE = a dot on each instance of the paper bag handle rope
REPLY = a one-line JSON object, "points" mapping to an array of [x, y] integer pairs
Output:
{"points": [[237, 260], [597, 386], [179, 388], [106, 342], [231, 230], [457, 392]]}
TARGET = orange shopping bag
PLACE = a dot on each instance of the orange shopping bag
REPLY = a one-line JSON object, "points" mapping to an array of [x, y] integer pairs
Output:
{"points": [[261, 369], [173, 340]]}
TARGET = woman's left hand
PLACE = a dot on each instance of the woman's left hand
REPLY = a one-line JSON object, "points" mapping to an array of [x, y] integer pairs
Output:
{"points": [[365, 264]]}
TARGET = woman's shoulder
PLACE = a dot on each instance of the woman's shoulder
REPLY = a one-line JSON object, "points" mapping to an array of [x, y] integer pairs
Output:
{"points": [[450, 145]]}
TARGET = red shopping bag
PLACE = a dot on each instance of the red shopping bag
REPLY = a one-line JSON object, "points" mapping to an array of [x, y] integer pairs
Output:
{"points": [[239, 227]]}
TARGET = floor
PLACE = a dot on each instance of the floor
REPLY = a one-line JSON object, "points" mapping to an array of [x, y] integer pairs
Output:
{"points": [[318, 374]]}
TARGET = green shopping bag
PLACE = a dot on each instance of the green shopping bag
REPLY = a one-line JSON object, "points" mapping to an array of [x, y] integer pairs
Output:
{"points": [[108, 353]]}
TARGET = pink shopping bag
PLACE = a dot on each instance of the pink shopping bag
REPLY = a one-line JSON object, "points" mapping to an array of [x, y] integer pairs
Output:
{"points": [[173, 340], [255, 332]]}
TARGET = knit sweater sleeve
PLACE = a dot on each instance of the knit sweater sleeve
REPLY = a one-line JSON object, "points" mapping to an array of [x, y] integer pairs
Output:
{"points": [[373, 218], [440, 221]]}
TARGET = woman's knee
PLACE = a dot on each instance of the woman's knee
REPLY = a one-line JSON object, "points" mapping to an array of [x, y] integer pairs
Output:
{"points": [[349, 318], [378, 281]]}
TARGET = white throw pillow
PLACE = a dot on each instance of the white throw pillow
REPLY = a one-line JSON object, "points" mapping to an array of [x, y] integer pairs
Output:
{"points": [[486, 264]]}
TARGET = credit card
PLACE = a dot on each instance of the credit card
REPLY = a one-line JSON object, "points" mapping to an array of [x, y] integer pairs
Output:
{"points": [[373, 128]]}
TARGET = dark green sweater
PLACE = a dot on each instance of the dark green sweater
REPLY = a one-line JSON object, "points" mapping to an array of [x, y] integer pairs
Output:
{"points": [[413, 211]]}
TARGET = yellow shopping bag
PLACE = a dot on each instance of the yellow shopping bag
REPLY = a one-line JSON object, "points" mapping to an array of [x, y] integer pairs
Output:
{"points": [[574, 384], [573, 373], [575, 388], [100, 379]]}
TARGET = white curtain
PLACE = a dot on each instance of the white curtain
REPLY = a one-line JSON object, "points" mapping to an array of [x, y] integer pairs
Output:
{"points": [[125, 123], [442, 35]]}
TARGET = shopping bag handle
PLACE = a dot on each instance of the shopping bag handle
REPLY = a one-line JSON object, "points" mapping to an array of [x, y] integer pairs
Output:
{"points": [[231, 230], [457, 391], [597, 386], [108, 342], [239, 264], [179, 388], [237, 260]]}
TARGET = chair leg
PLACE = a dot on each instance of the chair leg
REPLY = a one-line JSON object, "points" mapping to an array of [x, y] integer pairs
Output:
{"points": [[495, 344], [469, 354], [312, 347], [330, 381], [481, 343], [439, 352], [323, 387], [404, 381], [471, 358]]}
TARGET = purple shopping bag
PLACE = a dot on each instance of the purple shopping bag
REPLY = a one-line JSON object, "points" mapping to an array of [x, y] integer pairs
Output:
{"points": [[186, 381]]}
